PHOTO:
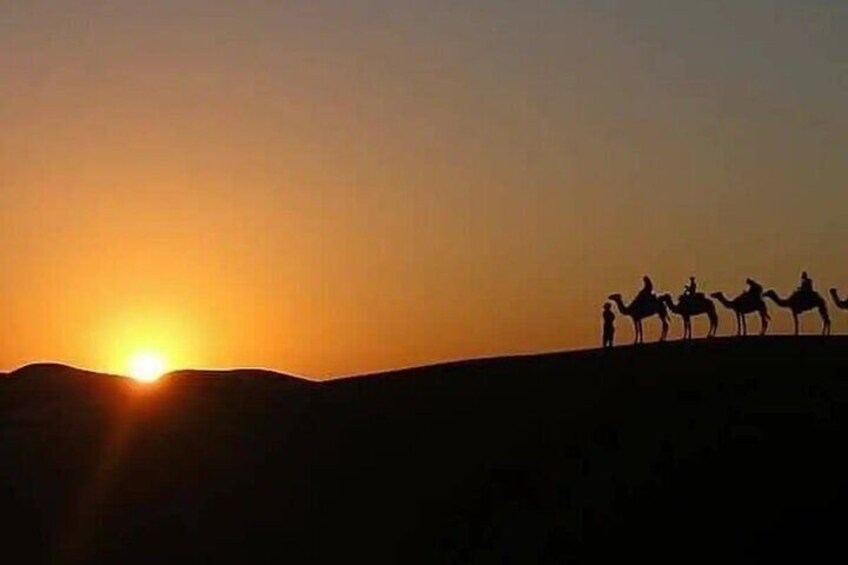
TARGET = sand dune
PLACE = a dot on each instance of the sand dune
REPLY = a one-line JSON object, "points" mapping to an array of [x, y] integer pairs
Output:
{"points": [[680, 452]]}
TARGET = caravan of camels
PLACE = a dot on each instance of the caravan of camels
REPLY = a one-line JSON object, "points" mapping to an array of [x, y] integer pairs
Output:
{"points": [[692, 303]]}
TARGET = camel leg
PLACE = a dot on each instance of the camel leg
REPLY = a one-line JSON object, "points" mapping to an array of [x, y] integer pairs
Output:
{"points": [[795, 321], [664, 329], [825, 320], [744, 325]]}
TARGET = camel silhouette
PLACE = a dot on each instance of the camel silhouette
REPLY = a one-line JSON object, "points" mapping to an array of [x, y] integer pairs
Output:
{"points": [[692, 305], [640, 309], [744, 304], [801, 301], [841, 304]]}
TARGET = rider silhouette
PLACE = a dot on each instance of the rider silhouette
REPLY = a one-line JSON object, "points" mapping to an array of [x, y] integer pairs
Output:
{"points": [[647, 289], [754, 288], [806, 283], [691, 288]]}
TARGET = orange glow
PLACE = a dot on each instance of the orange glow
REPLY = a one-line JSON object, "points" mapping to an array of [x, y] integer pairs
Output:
{"points": [[146, 367], [313, 190]]}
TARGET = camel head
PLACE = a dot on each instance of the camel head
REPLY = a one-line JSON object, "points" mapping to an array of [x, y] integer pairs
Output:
{"points": [[664, 298], [718, 294], [842, 304], [616, 296], [770, 293]]}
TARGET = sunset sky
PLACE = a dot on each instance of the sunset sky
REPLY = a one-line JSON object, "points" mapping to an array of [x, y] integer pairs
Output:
{"points": [[330, 187]]}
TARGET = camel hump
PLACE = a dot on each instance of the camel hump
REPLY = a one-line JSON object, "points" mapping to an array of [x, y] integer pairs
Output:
{"points": [[693, 298]]}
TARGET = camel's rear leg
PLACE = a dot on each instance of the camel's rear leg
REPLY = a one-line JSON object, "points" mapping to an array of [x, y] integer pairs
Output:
{"points": [[825, 320]]}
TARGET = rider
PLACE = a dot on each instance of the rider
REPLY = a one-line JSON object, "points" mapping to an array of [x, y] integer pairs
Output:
{"points": [[691, 288], [806, 283], [754, 288], [647, 288]]}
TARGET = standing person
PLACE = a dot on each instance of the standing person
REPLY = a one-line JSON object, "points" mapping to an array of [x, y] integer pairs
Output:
{"points": [[609, 325]]}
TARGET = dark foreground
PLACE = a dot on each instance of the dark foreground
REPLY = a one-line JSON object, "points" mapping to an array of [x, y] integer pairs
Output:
{"points": [[709, 452]]}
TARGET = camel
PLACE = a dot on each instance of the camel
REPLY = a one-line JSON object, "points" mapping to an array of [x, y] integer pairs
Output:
{"points": [[688, 306], [841, 304], [744, 304], [637, 311], [799, 302]]}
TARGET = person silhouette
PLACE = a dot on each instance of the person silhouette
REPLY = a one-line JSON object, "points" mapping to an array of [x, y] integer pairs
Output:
{"points": [[609, 325], [806, 283], [647, 289], [754, 288], [691, 288]]}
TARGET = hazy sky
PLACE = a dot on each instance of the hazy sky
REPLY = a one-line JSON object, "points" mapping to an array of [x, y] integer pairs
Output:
{"points": [[331, 187]]}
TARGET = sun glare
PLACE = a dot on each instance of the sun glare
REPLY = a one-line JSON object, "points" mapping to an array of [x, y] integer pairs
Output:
{"points": [[147, 367]]}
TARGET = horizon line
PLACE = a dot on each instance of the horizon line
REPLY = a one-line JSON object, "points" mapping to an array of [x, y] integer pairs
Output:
{"points": [[425, 365]]}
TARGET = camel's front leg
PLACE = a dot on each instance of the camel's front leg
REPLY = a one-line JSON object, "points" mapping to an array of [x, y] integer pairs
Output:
{"points": [[795, 321], [637, 330], [664, 329], [744, 325]]}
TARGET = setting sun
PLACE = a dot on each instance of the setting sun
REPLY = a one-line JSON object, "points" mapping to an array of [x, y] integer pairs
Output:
{"points": [[147, 367]]}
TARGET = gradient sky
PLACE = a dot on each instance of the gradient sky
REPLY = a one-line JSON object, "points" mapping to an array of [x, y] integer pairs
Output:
{"points": [[331, 187]]}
